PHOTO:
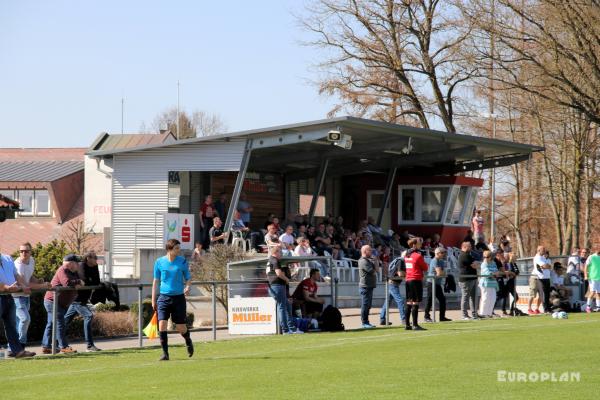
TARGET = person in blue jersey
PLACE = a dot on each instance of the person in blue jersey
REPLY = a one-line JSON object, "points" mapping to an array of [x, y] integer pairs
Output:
{"points": [[170, 286]]}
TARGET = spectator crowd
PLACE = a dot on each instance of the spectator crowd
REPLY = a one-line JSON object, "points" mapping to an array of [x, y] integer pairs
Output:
{"points": [[487, 267]]}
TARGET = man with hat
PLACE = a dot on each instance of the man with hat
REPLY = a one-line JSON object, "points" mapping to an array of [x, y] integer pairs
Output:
{"points": [[89, 273], [65, 276]]}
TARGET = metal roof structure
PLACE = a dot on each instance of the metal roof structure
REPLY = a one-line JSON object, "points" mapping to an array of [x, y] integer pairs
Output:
{"points": [[108, 142], [376, 147], [37, 171]]}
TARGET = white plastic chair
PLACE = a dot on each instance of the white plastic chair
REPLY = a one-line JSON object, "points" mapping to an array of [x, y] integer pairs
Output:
{"points": [[342, 268], [239, 241], [353, 269]]}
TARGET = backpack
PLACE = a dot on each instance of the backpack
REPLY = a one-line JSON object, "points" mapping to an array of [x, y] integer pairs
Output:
{"points": [[397, 264], [331, 320]]}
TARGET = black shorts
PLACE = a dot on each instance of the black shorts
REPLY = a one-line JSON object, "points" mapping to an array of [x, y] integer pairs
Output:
{"points": [[414, 291], [171, 306]]}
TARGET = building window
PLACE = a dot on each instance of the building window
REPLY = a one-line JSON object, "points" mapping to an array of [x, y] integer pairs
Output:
{"points": [[8, 193], [470, 206], [408, 205], [434, 201], [32, 202], [26, 202], [457, 203], [304, 205], [42, 202]]}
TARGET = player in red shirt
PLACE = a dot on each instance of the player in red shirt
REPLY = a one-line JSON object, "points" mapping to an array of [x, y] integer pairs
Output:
{"points": [[416, 268], [305, 296]]}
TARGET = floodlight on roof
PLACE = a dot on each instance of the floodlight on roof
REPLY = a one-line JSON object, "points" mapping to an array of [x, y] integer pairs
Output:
{"points": [[334, 135]]}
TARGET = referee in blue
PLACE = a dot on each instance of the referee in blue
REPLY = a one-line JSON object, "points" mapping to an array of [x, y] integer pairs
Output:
{"points": [[171, 283]]}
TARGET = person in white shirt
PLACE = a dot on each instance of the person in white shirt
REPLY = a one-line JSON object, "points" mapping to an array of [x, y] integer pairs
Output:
{"points": [[558, 280], [272, 239], [25, 265], [573, 263], [539, 281], [287, 239], [304, 250]]}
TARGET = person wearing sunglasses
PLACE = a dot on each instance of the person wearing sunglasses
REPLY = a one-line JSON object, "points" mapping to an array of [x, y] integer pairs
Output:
{"points": [[25, 265]]}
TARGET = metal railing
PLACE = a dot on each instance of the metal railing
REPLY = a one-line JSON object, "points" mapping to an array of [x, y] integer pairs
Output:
{"points": [[214, 284], [140, 287]]}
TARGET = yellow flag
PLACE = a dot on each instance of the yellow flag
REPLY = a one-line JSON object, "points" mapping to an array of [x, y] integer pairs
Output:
{"points": [[151, 330]]}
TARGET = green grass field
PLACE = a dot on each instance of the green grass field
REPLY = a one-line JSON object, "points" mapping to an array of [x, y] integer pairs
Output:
{"points": [[450, 360]]}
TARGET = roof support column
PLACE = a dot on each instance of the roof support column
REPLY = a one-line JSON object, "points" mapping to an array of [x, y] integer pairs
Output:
{"points": [[387, 193], [239, 184], [318, 187]]}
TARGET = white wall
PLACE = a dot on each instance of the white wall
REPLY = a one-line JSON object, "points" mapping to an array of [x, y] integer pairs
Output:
{"points": [[140, 193], [97, 197]]}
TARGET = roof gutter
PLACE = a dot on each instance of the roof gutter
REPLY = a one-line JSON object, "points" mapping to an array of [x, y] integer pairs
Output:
{"points": [[105, 172]]}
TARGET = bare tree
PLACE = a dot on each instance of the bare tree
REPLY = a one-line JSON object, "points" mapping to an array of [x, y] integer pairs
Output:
{"points": [[77, 237], [208, 124], [392, 60], [213, 267], [547, 48], [199, 123]]}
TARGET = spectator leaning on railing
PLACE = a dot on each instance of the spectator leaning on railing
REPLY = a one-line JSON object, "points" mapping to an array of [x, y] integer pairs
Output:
{"points": [[65, 276], [89, 273], [25, 265], [11, 282]]}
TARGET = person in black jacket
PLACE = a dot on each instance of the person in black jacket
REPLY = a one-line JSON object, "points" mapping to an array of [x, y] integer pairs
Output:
{"points": [[88, 272], [468, 284]]}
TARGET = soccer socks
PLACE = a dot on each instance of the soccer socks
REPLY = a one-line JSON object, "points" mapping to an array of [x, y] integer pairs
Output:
{"points": [[589, 301], [164, 343], [407, 308], [415, 314], [188, 343], [597, 306]]}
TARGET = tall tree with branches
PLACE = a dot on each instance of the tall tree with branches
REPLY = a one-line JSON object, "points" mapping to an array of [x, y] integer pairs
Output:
{"points": [[400, 61]]}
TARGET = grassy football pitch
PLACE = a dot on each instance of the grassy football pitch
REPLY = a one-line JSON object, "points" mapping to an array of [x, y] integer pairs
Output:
{"points": [[450, 360]]}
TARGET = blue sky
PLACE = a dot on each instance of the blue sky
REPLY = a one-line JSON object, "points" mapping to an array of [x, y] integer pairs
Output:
{"points": [[64, 66]]}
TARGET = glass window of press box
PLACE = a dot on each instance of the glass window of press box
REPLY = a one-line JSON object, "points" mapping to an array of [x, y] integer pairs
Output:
{"points": [[436, 204]]}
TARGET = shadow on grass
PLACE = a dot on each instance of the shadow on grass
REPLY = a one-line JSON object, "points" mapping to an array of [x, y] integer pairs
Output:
{"points": [[98, 354]]}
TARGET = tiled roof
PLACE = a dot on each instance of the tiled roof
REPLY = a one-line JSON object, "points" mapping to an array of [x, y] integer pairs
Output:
{"points": [[38, 170], [42, 154], [14, 232]]}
